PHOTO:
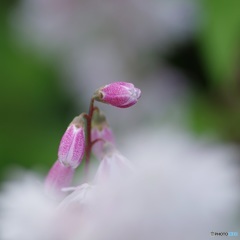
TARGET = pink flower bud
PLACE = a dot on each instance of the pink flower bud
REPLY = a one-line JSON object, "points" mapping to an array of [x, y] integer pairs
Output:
{"points": [[113, 165], [72, 145], [59, 176], [104, 135], [100, 131], [118, 94]]}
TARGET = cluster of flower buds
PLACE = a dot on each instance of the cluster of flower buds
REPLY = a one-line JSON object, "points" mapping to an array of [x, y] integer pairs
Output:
{"points": [[91, 132]]}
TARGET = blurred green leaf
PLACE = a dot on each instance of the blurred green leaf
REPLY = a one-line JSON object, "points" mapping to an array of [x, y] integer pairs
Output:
{"points": [[35, 110], [219, 39]]}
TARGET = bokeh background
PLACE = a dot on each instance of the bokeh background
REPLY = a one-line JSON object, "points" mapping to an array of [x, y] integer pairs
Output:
{"points": [[183, 54]]}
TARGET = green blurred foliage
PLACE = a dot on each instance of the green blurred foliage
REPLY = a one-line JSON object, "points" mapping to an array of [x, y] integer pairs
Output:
{"points": [[219, 40], [34, 109], [217, 108]]}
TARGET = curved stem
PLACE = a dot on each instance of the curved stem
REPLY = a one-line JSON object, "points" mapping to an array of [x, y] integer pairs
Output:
{"points": [[88, 133], [97, 140]]}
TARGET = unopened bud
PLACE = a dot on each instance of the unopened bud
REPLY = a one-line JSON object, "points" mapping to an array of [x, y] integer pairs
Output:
{"points": [[118, 94], [59, 176], [72, 145], [101, 133]]}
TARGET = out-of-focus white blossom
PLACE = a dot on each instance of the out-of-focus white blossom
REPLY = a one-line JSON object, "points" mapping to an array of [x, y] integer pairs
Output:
{"points": [[113, 166], [25, 212], [135, 23], [181, 188]]}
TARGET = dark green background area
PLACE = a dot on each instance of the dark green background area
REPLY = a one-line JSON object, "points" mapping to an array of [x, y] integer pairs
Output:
{"points": [[35, 109]]}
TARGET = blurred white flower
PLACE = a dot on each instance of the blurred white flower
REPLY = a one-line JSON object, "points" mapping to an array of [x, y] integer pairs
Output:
{"points": [[182, 189], [25, 213], [135, 23], [196, 179]]}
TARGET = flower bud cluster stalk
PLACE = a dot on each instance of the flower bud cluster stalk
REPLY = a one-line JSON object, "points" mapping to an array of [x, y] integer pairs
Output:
{"points": [[89, 132]]}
